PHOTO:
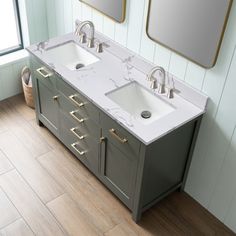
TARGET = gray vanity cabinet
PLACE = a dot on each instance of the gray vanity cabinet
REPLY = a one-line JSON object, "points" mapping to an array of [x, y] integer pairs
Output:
{"points": [[138, 174]]}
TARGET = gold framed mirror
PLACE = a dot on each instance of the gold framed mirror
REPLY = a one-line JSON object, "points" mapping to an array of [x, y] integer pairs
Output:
{"points": [[114, 9], [192, 28]]}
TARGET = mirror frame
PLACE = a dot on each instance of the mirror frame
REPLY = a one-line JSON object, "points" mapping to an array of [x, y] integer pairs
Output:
{"points": [[179, 53], [112, 18]]}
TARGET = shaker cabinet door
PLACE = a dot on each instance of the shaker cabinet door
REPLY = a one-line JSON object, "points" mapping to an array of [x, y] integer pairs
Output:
{"points": [[48, 106], [118, 171]]}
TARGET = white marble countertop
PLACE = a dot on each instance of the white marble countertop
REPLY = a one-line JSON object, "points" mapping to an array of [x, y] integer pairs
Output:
{"points": [[117, 67]]}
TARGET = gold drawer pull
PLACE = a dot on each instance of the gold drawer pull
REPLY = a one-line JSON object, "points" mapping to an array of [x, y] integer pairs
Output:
{"points": [[72, 113], [122, 140], [80, 137], [72, 98], [81, 153], [42, 71]]}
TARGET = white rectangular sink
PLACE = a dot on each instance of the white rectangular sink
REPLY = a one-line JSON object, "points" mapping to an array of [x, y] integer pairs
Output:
{"points": [[70, 55], [135, 99]]}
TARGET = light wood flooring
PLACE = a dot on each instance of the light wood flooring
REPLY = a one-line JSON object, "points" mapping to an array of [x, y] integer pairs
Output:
{"points": [[44, 190]]}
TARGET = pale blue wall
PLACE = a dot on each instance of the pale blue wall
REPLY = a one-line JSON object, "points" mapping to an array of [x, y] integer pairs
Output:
{"points": [[37, 20], [10, 83]]}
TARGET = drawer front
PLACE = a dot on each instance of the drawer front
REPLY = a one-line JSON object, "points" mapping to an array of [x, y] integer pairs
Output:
{"points": [[45, 75], [83, 121], [83, 145], [87, 134], [75, 101], [65, 88], [121, 138]]}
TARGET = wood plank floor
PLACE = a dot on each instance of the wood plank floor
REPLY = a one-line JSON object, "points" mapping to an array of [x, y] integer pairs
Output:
{"points": [[45, 190]]}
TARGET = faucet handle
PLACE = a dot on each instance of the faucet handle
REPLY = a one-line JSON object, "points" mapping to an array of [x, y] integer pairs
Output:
{"points": [[170, 87], [77, 22], [170, 93], [99, 48], [42, 45]]}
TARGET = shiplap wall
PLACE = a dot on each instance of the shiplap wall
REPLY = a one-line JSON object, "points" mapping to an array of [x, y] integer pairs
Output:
{"points": [[212, 175], [10, 83], [36, 11]]}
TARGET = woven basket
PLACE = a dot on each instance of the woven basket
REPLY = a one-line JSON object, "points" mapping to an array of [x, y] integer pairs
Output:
{"points": [[27, 88]]}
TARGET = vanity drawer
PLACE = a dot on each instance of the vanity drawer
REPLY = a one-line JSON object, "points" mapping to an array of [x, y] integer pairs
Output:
{"points": [[117, 135], [74, 101], [45, 75], [83, 145], [90, 130]]}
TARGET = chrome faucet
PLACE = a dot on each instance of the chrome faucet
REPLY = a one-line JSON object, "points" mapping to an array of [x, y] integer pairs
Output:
{"points": [[82, 35], [160, 85]]}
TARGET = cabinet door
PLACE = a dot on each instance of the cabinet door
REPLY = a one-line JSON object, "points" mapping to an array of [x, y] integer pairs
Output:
{"points": [[48, 106], [118, 171]]}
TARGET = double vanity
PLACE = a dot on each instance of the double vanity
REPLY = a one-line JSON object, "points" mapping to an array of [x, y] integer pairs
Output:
{"points": [[97, 101]]}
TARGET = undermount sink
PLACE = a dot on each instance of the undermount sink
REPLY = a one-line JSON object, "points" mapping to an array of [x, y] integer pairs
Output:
{"points": [[140, 103], [71, 56]]}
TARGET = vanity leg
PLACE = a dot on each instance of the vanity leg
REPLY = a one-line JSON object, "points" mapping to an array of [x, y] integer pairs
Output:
{"points": [[136, 216], [39, 123]]}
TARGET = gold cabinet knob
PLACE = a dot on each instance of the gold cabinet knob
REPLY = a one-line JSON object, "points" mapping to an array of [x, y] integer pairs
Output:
{"points": [[55, 98], [102, 139]]}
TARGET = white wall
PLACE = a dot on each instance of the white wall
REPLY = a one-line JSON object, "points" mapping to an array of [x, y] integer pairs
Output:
{"points": [[37, 29]]}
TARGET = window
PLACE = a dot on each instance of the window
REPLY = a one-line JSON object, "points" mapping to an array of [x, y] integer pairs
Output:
{"points": [[10, 28]]}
